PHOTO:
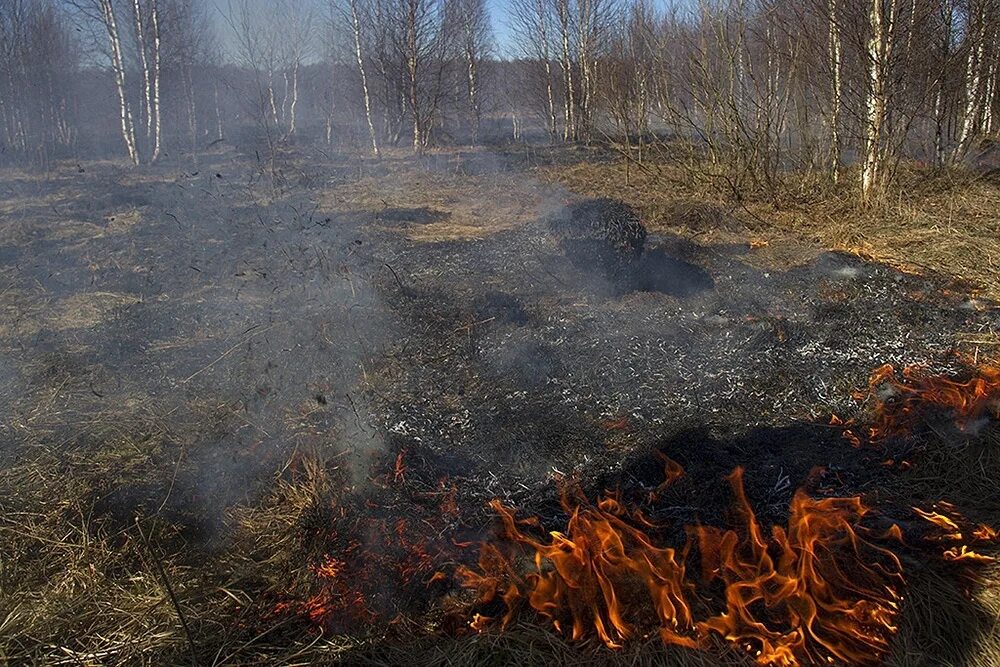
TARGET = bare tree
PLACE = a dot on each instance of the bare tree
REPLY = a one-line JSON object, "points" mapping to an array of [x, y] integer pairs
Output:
{"points": [[566, 60], [530, 23], [981, 70], [351, 13], [38, 61], [419, 45], [102, 13]]}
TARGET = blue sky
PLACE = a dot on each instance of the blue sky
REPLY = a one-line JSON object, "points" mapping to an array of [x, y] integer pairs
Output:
{"points": [[497, 13]]}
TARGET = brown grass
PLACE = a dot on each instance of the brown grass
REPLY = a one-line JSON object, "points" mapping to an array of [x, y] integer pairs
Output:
{"points": [[946, 224], [81, 587], [473, 206]]}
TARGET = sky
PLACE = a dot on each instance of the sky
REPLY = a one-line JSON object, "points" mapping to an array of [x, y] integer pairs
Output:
{"points": [[497, 14]]}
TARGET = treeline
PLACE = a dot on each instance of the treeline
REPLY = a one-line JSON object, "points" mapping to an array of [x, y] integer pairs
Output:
{"points": [[748, 89]]}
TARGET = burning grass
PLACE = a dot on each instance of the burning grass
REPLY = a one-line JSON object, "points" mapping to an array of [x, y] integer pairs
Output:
{"points": [[826, 588], [124, 545], [287, 586], [917, 398]]}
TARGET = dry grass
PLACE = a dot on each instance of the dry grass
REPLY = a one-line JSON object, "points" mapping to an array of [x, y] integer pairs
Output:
{"points": [[82, 586], [79, 588], [472, 206], [947, 224]]}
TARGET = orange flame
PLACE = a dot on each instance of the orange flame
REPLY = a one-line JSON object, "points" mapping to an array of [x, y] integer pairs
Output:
{"points": [[808, 594], [951, 527], [816, 591], [901, 404], [582, 575]]}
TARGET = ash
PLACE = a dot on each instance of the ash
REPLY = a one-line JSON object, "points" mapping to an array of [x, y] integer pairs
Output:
{"points": [[232, 330]]}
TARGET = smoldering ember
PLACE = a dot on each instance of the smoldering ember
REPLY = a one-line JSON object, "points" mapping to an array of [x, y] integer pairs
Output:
{"points": [[461, 332]]}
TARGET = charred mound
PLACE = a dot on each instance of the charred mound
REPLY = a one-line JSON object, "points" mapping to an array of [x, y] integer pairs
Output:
{"points": [[602, 234], [613, 223]]}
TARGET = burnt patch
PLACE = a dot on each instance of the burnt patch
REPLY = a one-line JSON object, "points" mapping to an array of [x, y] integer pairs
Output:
{"points": [[414, 216], [605, 221], [501, 307], [656, 271]]}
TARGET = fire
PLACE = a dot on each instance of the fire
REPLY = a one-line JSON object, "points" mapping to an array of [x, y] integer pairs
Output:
{"points": [[964, 553], [818, 590], [949, 527], [582, 575], [903, 401], [399, 469]]}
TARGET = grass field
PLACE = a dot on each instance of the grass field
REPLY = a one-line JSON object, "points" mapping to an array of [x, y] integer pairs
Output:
{"points": [[189, 362]]}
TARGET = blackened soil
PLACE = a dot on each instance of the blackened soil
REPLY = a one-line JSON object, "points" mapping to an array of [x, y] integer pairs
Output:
{"points": [[192, 315]]}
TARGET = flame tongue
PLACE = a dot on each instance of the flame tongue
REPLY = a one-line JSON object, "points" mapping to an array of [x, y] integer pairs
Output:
{"points": [[805, 595], [901, 405], [817, 591], [581, 576]]}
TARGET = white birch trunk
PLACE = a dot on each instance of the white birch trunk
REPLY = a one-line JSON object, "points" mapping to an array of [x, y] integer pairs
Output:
{"points": [[567, 65], [875, 102], [835, 67], [155, 18], [145, 110], [543, 38], [118, 65], [356, 21], [973, 89], [295, 97]]}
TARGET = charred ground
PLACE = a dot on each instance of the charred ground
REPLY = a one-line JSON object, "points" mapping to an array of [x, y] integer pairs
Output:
{"points": [[263, 376]]}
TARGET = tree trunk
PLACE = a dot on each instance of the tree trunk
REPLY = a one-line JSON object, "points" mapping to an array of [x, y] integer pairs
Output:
{"points": [[145, 110], [356, 21], [118, 65], [974, 96], [567, 66], [220, 135], [879, 44], [412, 66], [155, 17], [835, 68], [295, 97]]}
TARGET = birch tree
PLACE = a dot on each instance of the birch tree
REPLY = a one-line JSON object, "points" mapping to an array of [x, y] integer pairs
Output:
{"points": [[110, 23], [834, 51], [881, 22], [531, 25], [570, 130], [102, 13], [980, 72], [352, 13], [475, 37], [38, 61]]}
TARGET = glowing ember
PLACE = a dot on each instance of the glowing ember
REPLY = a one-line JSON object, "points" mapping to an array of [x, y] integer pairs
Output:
{"points": [[399, 470]]}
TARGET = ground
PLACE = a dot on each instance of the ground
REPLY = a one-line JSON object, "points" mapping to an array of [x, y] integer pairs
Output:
{"points": [[203, 370]]}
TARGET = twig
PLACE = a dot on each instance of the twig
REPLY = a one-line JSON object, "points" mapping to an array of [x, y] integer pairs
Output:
{"points": [[226, 354], [170, 592]]}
